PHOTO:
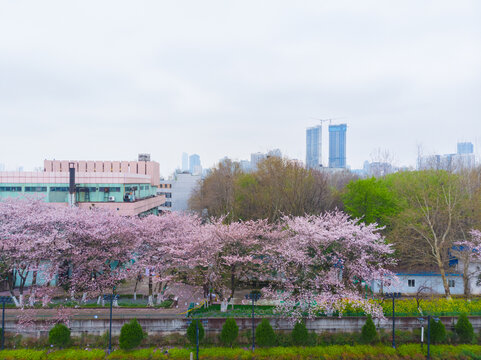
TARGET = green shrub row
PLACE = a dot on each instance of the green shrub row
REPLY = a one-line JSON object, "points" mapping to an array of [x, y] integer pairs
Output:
{"points": [[404, 352]]}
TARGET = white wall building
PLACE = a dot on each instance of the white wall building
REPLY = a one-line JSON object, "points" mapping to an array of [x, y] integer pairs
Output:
{"points": [[177, 191]]}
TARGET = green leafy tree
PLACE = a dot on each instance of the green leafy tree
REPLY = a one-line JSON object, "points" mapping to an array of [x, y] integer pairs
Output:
{"points": [[131, 335], [371, 200], [300, 335], [369, 333], [229, 333], [191, 332], [464, 329], [59, 335], [265, 335], [438, 331]]}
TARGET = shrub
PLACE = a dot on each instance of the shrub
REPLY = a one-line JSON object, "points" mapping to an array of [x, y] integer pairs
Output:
{"points": [[369, 333], [438, 331], [265, 335], [59, 335], [229, 333], [131, 335], [300, 336], [464, 329], [191, 332]]}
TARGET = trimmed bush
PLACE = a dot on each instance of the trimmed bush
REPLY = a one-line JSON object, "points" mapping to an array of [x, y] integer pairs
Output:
{"points": [[191, 332], [300, 335], [464, 329], [131, 335], [265, 335], [438, 331], [59, 335], [229, 333], [369, 333]]}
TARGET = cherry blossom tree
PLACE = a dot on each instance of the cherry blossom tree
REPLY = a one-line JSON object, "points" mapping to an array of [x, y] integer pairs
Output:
{"points": [[321, 261], [100, 251], [164, 251], [238, 250], [30, 233]]}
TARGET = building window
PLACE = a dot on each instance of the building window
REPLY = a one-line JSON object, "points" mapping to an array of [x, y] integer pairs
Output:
{"points": [[451, 283], [168, 195], [59, 188], [167, 204], [35, 188], [11, 188], [411, 283]]}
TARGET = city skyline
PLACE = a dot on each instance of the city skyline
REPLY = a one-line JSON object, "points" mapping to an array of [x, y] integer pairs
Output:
{"points": [[165, 78]]}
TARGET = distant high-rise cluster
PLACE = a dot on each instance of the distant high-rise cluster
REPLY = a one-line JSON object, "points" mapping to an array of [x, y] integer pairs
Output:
{"points": [[463, 159], [191, 164], [337, 146]]}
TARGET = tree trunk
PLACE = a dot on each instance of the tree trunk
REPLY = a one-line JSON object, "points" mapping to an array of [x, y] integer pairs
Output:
{"points": [[466, 278], [232, 282], [443, 276], [31, 300]]}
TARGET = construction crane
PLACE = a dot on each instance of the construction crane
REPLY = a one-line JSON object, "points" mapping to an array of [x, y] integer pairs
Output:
{"points": [[325, 120]]}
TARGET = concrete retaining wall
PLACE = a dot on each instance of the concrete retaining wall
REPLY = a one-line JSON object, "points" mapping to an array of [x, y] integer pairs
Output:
{"points": [[166, 325]]}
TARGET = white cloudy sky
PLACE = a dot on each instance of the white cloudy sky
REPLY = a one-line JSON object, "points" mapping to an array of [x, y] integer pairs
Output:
{"points": [[109, 79]]}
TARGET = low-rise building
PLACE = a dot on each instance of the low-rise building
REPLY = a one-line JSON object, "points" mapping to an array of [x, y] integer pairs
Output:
{"points": [[178, 190], [129, 187]]}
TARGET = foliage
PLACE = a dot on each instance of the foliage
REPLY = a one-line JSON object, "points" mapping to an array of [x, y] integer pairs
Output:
{"points": [[319, 257], [265, 335], [300, 336], [438, 331], [276, 187], [229, 333], [464, 329], [59, 335], [371, 200], [192, 333], [336, 352], [131, 335], [369, 333]]}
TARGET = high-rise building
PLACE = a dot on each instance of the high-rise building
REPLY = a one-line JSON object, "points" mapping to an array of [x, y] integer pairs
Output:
{"points": [[314, 147], [256, 158], [337, 146], [194, 164], [185, 162], [465, 148]]}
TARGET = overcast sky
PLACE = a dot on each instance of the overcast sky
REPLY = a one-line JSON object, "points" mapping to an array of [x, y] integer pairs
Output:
{"points": [[105, 80]]}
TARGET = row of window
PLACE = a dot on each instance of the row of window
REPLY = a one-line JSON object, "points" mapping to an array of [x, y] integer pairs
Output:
{"points": [[35, 188], [168, 195], [412, 283], [165, 186], [11, 188], [167, 204], [60, 189]]}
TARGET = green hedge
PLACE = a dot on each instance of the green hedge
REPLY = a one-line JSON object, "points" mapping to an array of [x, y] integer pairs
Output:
{"points": [[359, 352]]}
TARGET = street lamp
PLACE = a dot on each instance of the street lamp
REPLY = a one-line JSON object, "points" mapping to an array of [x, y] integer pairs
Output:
{"points": [[4, 300], [393, 295], [111, 298], [421, 320], [204, 322], [436, 319], [254, 296]]}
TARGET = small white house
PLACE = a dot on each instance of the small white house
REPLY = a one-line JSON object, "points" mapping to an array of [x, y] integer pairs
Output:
{"points": [[426, 282]]}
